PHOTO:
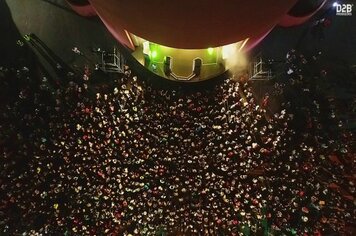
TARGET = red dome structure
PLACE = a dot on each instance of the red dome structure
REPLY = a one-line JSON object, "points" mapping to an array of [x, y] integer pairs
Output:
{"points": [[202, 33], [82, 7], [306, 8], [192, 24]]}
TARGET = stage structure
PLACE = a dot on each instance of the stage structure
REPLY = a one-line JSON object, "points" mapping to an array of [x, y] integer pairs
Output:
{"points": [[259, 70], [112, 62], [185, 40]]}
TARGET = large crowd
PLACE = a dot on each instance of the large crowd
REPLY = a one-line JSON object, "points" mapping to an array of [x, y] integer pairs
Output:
{"points": [[139, 160]]}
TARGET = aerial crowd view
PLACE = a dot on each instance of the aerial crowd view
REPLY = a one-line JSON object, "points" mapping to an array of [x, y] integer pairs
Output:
{"points": [[87, 152]]}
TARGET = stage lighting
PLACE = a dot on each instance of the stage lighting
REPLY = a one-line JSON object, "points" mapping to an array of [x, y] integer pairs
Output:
{"points": [[154, 54], [210, 51], [228, 50], [146, 48]]}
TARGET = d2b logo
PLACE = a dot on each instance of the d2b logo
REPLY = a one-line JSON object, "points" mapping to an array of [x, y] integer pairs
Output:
{"points": [[343, 9]]}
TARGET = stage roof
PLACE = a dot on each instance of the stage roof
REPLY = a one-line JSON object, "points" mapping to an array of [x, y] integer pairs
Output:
{"points": [[192, 23]]}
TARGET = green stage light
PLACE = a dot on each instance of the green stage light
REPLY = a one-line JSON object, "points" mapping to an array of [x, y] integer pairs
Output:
{"points": [[210, 51], [154, 54]]}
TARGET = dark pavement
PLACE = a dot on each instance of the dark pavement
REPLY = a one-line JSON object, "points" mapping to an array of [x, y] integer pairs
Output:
{"points": [[58, 27], [338, 44]]}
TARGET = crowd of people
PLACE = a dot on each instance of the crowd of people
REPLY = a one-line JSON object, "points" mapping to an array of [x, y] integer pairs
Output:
{"points": [[138, 160]]}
